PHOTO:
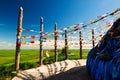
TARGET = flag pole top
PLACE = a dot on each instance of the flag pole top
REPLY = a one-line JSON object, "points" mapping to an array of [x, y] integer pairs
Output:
{"points": [[21, 8]]}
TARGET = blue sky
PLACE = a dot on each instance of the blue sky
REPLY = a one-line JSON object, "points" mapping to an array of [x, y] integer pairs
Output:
{"points": [[63, 12]]}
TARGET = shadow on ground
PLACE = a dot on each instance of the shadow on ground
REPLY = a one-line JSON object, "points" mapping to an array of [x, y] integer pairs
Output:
{"points": [[77, 73]]}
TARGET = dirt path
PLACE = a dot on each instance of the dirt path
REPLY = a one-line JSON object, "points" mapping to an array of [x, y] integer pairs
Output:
{"points": [[64, 70]]}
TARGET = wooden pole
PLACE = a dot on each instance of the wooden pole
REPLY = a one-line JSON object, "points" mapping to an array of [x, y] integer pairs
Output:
{"points": [[66, 45], [80, 36], [18, 41], [93, 40], [41, 41], [55, 37]]}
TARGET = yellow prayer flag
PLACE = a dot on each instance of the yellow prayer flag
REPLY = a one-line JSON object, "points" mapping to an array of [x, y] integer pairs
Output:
{"points": [[23, 43], [103, 28]]}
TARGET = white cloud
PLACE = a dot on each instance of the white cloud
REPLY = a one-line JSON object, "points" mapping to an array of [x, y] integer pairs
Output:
{"points": [[35, 25], [6, 45], [46, 45], [2, 24]]}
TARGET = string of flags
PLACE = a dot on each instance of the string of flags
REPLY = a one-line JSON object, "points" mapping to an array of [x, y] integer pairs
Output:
{"points": [[108, 24], [99, 28]]}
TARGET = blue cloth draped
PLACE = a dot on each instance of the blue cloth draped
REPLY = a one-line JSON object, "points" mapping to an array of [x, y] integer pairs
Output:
{"points": [[103, 61]]}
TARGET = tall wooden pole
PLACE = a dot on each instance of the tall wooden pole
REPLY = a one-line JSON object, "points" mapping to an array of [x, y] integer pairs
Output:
{"points": [[18, 42], [41, 41], [93, 40], [66, 45], [55, 37], [80, 36]]}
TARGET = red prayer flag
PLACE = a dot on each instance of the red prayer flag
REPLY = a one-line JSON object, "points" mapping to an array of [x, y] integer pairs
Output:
{"points": [[31, 41], [33, 37], [20, 29], [18, 44]]}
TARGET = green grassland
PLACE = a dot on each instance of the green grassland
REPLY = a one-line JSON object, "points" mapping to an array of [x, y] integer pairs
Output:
{"points": [[30, 59], [7, 57]]}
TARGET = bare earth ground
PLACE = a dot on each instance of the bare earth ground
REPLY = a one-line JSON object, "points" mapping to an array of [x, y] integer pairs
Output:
{"points": [[64, 70]]}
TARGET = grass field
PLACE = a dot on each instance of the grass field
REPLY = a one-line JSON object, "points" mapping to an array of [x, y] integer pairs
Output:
{"points": [[7, 57], [30, 58]]}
